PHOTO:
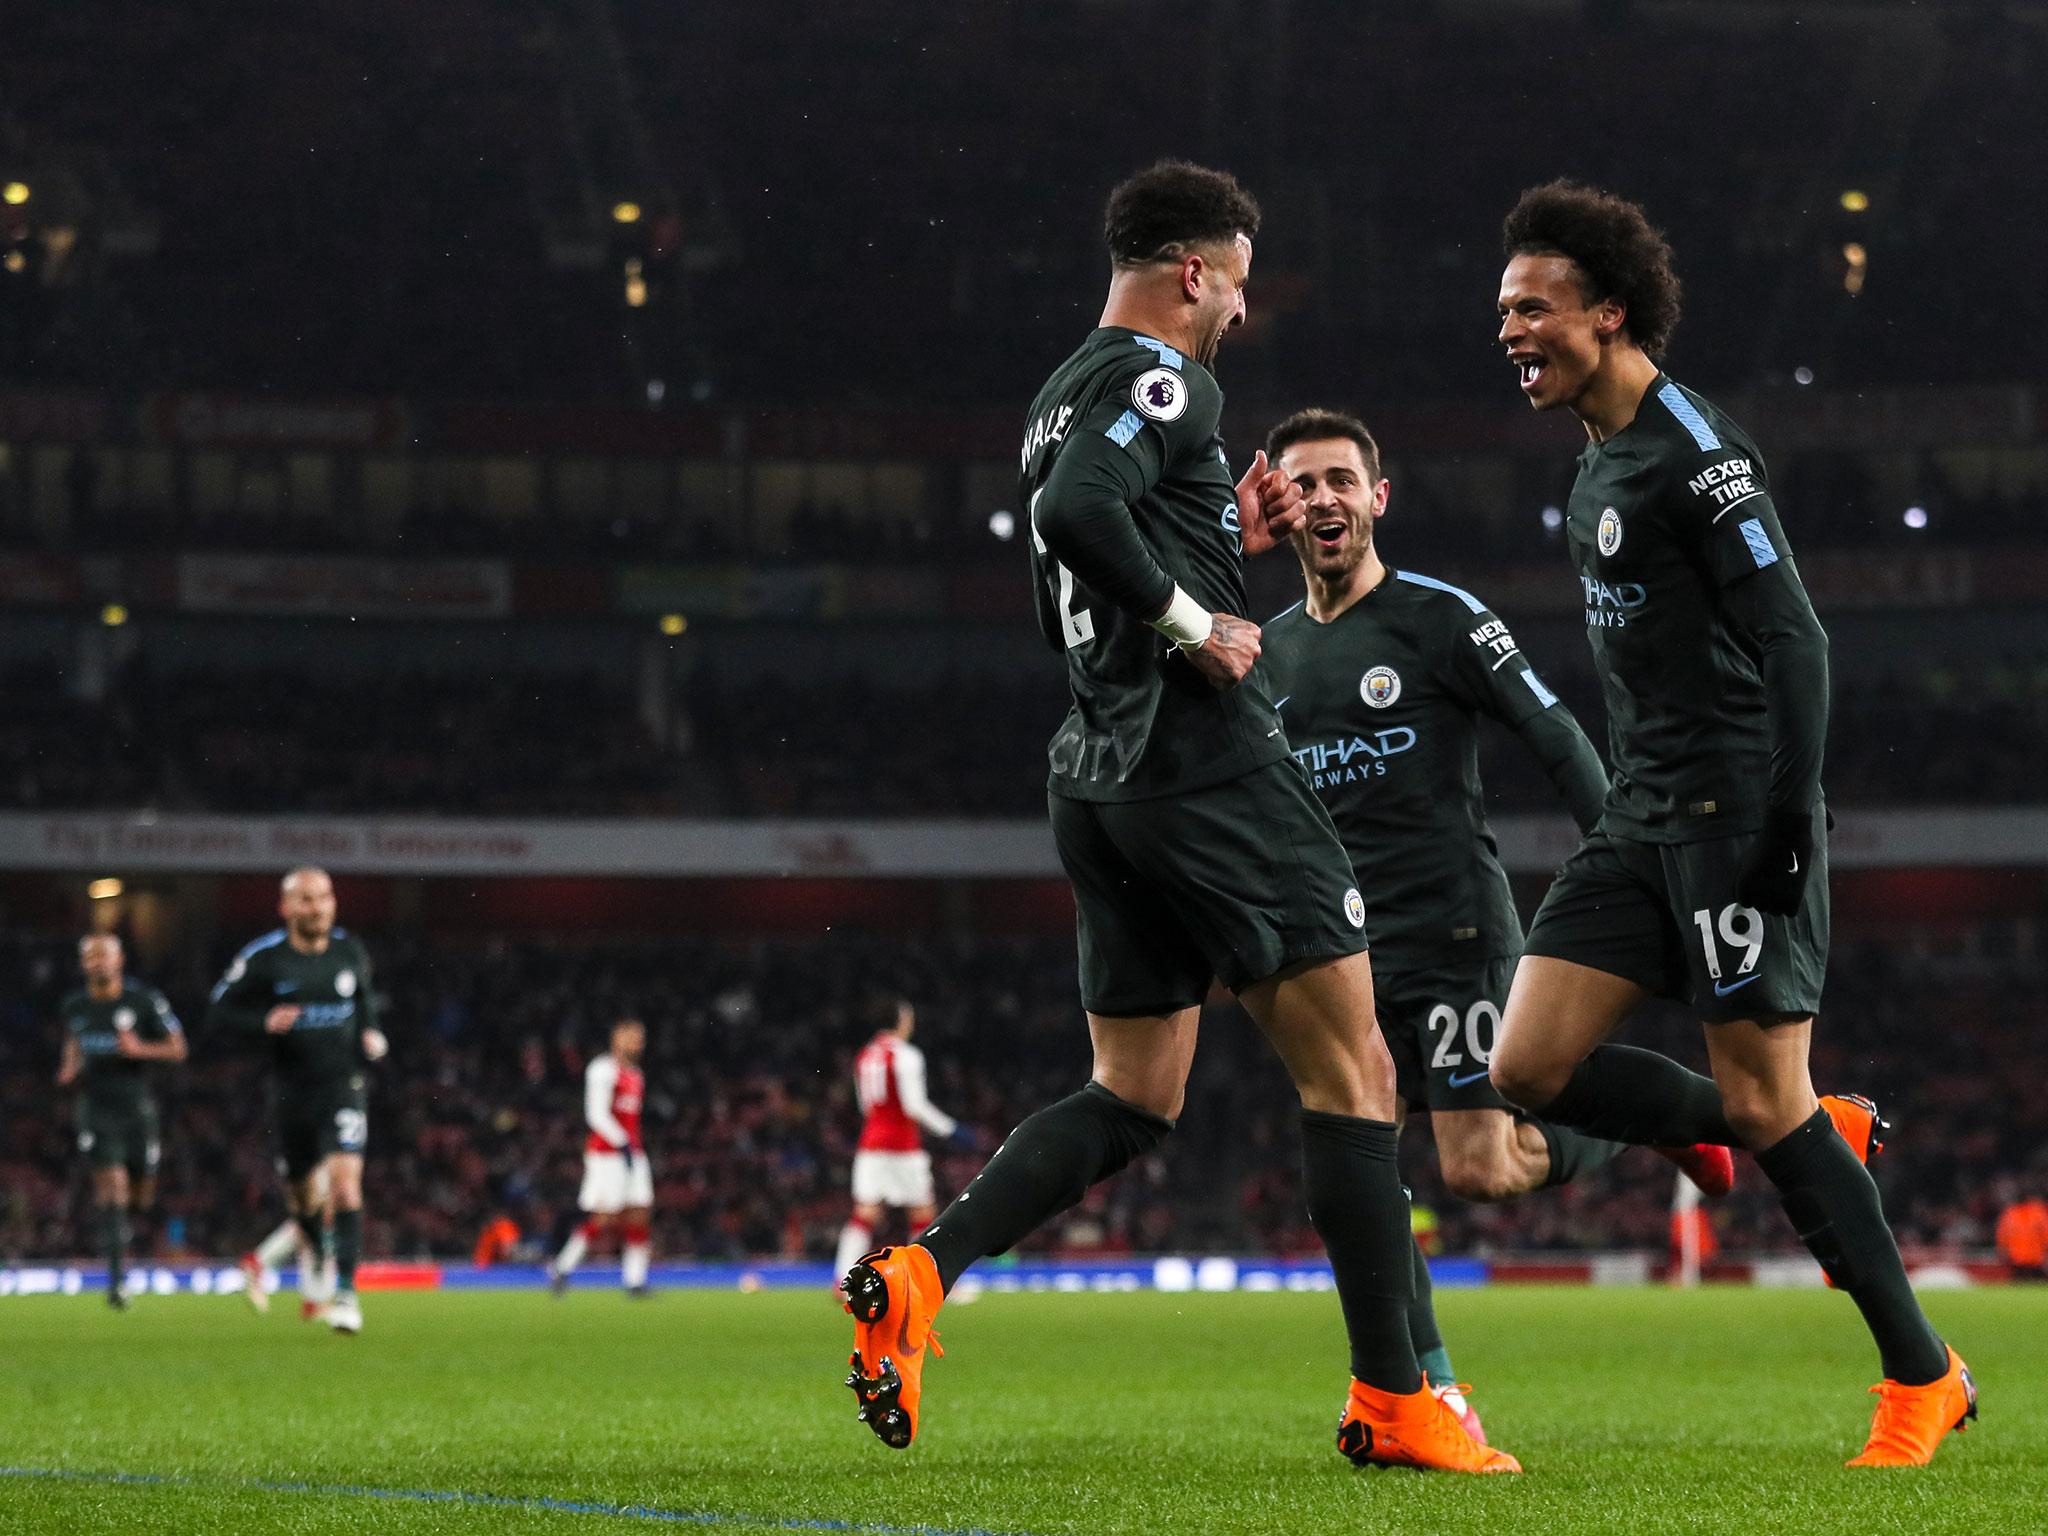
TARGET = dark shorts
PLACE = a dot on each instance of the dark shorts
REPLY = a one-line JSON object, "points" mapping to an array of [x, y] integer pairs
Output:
{"points": [[1440, 1022], [313, 1123], [1233, 882], [1664, 915], [120, 1137]]}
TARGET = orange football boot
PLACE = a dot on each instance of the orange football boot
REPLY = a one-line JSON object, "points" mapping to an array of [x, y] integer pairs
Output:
{"points": [[1414, 1429], [893, 1294], [1711, 1167], [1910, 1421], [1858, 1123]]}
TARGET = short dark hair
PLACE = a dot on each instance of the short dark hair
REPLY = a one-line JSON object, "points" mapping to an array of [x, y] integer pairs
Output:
{"points": [[1610, 240], [1316, 425], [1158, 213]]}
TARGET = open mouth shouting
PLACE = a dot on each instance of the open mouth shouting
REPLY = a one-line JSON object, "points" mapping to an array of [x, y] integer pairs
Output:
{"points": [[1329, 534], [1532, 366]]}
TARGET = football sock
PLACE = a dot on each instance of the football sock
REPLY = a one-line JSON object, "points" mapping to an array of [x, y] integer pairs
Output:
{"points": [[1046, 1165], [1573, 1152], [573, 1250], [276, 1248], [1423, 1332], [348, 1246], [1360, 1211], [313, 1237], [855, 1239], [1835, 1208], [634, 1257], [1620, 1093], [114, 1244]]}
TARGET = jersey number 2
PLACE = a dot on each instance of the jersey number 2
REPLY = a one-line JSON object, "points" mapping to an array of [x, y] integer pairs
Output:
{"points": [[1077, 624]]}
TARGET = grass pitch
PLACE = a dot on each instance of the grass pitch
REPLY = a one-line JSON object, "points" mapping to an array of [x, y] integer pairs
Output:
{"points": [[1634, 1411]]}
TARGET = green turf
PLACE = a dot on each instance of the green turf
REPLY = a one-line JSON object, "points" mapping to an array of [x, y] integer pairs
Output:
{"points": [[1635, 1411]]}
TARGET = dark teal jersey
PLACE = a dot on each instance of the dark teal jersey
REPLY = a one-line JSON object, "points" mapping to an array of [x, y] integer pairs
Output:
{"points": [[108, 1079], [1688, 581], [1382, 708], [333, 991], [1128, 492]]}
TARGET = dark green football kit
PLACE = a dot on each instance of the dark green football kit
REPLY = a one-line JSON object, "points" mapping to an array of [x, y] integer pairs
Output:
{"points": [[1382, 705], [318, 1064], [1713, 668], [1194, 845], [118, 1124]]}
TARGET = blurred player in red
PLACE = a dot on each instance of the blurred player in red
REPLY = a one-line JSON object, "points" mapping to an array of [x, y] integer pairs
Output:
{"points": [[618, 1183], [891, 1166]]}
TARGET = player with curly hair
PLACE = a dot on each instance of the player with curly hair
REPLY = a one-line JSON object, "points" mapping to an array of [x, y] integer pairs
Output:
{"points": [[1705, 879]]}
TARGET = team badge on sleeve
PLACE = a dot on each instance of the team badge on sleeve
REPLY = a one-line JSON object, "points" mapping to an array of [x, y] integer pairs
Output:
{"points": [[1160, 394], [1610, 531], [1354, 908], [1380, 687]]}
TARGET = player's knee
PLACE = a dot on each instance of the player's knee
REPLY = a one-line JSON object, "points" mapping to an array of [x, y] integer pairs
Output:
{"points": [[1758, 1115], [1526, 1083]]}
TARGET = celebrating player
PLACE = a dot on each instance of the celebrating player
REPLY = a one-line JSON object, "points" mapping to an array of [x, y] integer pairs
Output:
{"points": [[618, 1183], [113, 1029], [1381, 676], [1706, 879], [307, 987], [891, 1167], [1195, 847]]}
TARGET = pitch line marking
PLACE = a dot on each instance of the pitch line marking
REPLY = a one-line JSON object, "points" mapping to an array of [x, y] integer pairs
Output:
{"points": [[532, 1504]]}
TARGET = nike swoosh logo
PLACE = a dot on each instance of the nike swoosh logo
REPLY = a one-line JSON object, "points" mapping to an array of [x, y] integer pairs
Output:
{"points": [[1281, 702], [1721, 991], [1795, 865], [1467, 1080]]}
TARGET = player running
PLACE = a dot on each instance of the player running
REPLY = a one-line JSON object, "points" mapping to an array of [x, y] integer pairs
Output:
{"points": [[114, 1029], [618, 1182], [288, 1237], [1381, 676], [308, 988], [1195, 846], [1706, 879], [891, 1166]]}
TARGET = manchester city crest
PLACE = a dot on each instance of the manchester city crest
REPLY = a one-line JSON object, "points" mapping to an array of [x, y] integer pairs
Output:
{"points": [[1610, 531], [1354, 908], [1380, 687], [345, 984], [124, 1018]]}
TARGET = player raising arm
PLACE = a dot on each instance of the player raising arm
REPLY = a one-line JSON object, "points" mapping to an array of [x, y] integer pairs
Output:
{"points": [[1706, 879], [1195, 847]]}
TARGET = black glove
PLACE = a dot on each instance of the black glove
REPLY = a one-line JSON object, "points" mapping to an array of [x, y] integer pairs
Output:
{"points": [[1773, 875]]}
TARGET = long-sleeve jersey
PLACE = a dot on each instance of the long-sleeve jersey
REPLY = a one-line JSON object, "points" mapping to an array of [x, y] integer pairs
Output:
{"points": [[888, 1079], [1382, 707], [1714, 668], [612, 1095], [107, 1078], [1128, 493], [332, 990]]}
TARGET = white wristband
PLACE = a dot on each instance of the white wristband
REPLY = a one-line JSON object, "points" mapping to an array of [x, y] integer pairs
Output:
{"points": [[1186, 622]]}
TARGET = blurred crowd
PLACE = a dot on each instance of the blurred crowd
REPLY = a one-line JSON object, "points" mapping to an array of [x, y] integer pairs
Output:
{"points": [[476, 1116], [581, 743]]}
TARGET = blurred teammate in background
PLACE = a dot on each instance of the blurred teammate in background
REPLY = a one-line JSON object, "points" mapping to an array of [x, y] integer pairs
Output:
{"points": [[114, 1029], [1381, 676], [618, 1183], [891, 1166], [308, 989]]}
